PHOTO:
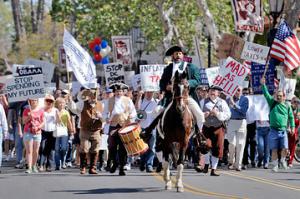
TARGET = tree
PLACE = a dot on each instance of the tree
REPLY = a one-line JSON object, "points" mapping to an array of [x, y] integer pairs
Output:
{"points": [[18, 20]]}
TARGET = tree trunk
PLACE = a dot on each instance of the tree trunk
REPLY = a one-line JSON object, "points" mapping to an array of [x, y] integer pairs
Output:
{"points": [[209, 21], [73, 20], [292, 11], [17, 15], [167, 22], [40, 15], [33, 20]]}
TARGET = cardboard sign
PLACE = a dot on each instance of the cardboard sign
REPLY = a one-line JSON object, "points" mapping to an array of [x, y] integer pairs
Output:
{"points": [[255, 53], [231, 76], [248, 16], [47, 67], [26, 70], [230, 46], [114, 73], [257, 71], [212, 73], [25, 87], [203, 77], [150, 76], [136, 82]]}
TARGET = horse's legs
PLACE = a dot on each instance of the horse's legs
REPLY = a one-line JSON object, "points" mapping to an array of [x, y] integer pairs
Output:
{"points": [[179, 184], [166, 168]]}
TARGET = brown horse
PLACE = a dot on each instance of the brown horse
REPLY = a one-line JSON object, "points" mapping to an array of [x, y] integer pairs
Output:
{"points": [[176, 125]]}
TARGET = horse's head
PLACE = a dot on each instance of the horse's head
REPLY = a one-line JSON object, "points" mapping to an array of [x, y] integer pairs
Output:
{"points": [[180, 88]]}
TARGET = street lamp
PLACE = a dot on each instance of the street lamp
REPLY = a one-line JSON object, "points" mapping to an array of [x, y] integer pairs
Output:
{"points": [[140, 46], [276, 8]]}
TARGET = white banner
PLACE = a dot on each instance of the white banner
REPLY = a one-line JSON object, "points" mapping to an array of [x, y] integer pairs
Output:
{"points": [[150, 76], [47, 68], [80, 61], [231, 76], [114, 73], [212, 74], [258, 108], [255, 52], [25, 87]]}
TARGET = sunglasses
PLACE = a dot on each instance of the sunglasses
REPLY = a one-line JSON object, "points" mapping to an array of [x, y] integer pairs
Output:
{"points": [[49, 101]]}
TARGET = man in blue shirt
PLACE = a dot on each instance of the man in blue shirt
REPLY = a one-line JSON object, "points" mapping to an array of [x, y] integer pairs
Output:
{"points": [[237, 129]]}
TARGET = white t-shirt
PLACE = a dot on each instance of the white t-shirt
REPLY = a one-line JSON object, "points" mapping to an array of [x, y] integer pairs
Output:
{"points": [[50, 120]]}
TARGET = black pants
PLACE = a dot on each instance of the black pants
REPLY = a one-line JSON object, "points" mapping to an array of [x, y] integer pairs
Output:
{"points": [[117, 152], [46, 147], [250, 141]]}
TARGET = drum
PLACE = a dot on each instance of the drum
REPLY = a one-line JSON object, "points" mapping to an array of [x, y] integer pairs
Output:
{"points": [[130, 136]]}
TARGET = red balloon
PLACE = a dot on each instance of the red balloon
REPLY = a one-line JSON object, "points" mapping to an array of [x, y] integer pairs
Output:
{"points": [[97, 57], [92, 45], [97, 40]]}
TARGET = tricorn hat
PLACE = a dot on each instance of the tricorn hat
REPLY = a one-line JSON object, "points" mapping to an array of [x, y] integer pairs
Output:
{"points": [[173, 49], [118, 86], [215, 88]]}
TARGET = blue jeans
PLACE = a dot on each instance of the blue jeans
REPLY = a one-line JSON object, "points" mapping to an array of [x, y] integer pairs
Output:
{"points": [[148, 157], [263, 144], [18, 146], [61, 146], [278, 139]]}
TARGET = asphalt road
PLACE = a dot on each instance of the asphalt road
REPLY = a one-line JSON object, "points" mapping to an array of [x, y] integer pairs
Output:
{"points": [[67, 184]]}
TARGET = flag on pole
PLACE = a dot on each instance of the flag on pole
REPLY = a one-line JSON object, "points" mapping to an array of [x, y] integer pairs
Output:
{"points": [[79, 61], [286, 47]]}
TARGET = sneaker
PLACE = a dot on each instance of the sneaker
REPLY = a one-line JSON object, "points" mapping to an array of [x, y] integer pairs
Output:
{"points": [[41, 168], [19, 166], [290, 166], [28, 171], [275, 169], [266, 166], [283, 165], [127, 167], [69, 164], [230, 167], [64, 166], [34, 169], [149, 170], [244, 167]]}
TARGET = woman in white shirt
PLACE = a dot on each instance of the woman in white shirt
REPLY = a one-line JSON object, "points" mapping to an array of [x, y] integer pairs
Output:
{"points": [[48, 141]]}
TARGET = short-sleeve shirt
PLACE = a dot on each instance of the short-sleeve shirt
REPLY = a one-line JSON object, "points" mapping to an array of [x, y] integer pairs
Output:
{"points": [[64, 116], [37, 119]]}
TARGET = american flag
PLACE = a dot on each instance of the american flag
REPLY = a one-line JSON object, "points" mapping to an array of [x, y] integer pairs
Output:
{"points": [[286, 47]]}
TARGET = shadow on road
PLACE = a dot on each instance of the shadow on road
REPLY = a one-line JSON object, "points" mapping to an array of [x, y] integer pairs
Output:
{"points": [[113, 190]]}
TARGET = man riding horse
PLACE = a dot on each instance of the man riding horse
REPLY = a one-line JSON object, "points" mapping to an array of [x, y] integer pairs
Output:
{"points": [[192, 81]]}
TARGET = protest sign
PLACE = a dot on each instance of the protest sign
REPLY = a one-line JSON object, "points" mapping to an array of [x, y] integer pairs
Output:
{"points": [[62, 56], [255, 53], [136, 82], [231, 76], [258, 108], [122, 49], [257, 71], [248, 16], [203, 77], [114, 73], [128, 77], [23, 88], [47, 68], [3, 83], [150, 76], [212, 74], [289, 86]]}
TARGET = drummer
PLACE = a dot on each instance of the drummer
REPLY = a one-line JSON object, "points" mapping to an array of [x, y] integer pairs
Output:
{"points": [[119, 112]]}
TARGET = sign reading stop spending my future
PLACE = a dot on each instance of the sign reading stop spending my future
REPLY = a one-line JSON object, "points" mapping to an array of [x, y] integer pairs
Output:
{"points": [[26, 84], [231, 76]]}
